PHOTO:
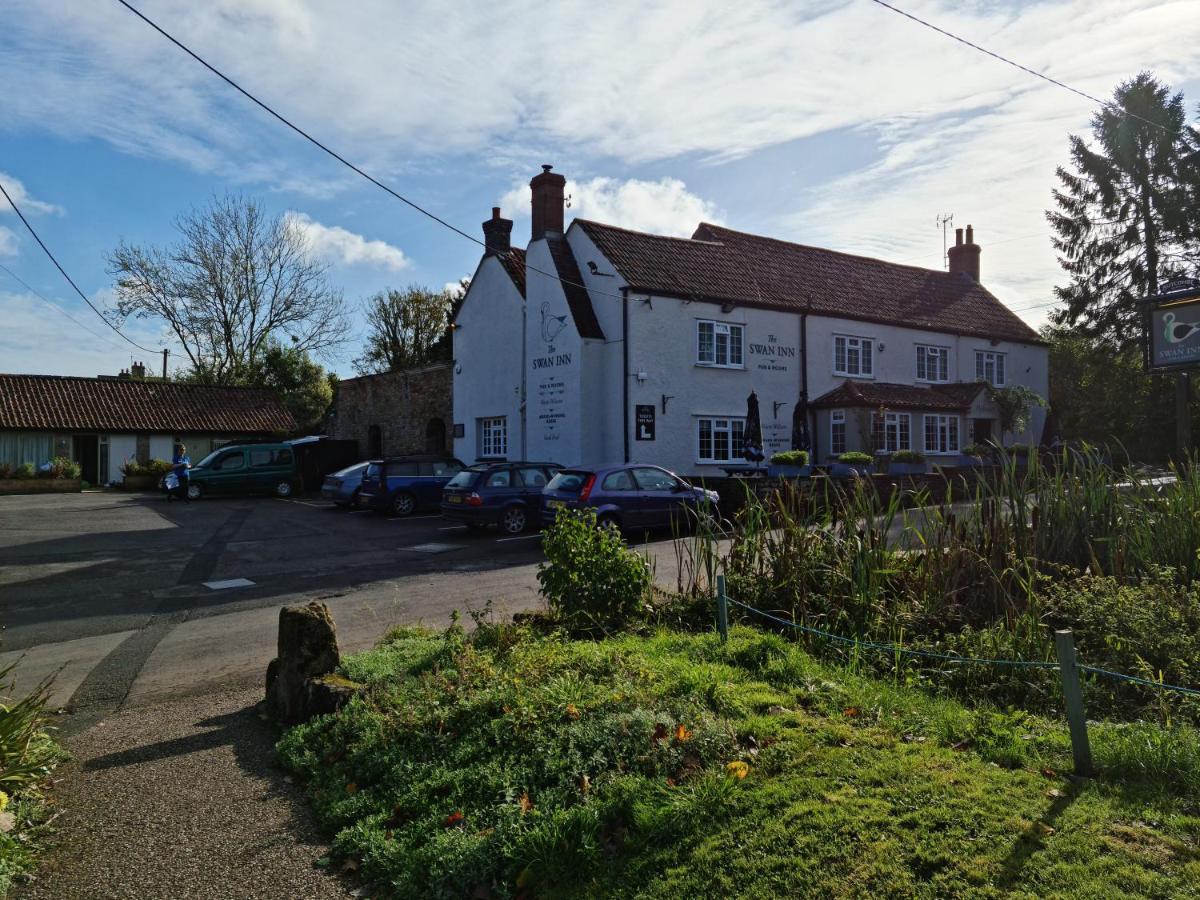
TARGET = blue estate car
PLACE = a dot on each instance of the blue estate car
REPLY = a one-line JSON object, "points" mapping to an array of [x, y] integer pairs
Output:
{"points": [[342, 487], [402, 485], [508, 494], [631, 496]]}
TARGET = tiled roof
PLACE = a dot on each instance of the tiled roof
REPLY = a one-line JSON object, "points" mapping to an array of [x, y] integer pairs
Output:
{"points": [[578, 298], [54, 402], [719, 264], [899, 396], [514, 265]]}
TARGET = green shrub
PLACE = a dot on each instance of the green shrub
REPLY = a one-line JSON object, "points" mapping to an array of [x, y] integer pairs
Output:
{"points": [[908, 456], [790, 458], [61, 467], [156, 467], [1020, 450], [856, 458], [980, 450], [131, 468], [6, 471], [24, 471], [591, 579]]}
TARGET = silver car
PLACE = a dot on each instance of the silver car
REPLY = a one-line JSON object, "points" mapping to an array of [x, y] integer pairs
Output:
{"points": [[343, 487]]}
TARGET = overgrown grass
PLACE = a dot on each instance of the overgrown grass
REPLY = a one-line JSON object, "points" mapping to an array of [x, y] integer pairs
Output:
{"points": [[991, 572], [508, 764], [27, 756]]}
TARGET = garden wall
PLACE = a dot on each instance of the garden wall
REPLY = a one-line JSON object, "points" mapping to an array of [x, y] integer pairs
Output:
{"points": [[40, 486]]}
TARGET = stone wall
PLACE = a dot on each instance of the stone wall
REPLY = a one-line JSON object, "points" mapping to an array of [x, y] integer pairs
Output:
{"points": [[397, 412]]}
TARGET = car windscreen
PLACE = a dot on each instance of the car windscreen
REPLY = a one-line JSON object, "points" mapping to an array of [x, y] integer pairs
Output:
{"points": [[349, 470], [569, 481], [464, 479], [207, 461]]}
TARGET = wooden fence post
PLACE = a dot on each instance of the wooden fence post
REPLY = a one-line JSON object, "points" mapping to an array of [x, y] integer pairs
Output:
{"points": [[1064, 645], [722, 610]]}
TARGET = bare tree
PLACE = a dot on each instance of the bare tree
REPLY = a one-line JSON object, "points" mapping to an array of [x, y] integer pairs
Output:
{"points": [[235, 280], [406, 328]]}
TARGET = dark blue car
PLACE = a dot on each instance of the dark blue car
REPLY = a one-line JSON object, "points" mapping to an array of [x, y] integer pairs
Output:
{"points": [[627, 497], [404, 484], [507, 494]]}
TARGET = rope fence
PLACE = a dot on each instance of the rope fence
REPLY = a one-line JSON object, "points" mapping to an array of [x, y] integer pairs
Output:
{"points": [[1067, 665]]}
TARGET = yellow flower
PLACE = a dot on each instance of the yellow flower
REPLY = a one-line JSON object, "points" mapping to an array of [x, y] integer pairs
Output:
{"points": [[738, 769], [3, 801]]}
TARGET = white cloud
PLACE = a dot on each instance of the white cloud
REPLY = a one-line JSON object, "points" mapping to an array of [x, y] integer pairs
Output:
{"points": [[337, 245], [21, 196], [8, 242], [665, 206], [83, 345]]}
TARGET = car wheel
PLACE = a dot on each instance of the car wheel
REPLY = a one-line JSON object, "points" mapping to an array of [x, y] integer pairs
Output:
{"points": [[610, 522], [283, 489], [404, 504], [514, 520], [194, 492]]}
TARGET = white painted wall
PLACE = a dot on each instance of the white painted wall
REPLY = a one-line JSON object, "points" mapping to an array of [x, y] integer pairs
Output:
{"points": [[162, 446], [488, 362], [121, 447]]}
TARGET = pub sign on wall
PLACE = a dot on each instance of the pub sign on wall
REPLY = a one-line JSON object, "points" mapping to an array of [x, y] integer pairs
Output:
{"points": [[644, 422]]}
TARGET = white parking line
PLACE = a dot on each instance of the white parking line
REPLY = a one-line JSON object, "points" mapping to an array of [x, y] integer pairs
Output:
{"points": [[453, 528], [519, 537], [323, 504]]}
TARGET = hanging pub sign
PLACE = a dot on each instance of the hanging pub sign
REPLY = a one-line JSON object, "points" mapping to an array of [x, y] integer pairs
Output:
{"points": [[644, 420], [1172, 322]]}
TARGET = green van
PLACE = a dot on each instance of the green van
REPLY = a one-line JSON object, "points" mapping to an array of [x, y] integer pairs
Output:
{"points": [[245, 469]]}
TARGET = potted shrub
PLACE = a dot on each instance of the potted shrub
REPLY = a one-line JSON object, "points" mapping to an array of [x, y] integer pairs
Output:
{"points": [[851, 464], [138, 477], [907, 462], [972, 455], [789, 464]]}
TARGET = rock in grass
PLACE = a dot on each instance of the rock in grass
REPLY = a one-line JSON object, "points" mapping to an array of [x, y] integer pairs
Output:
{"points": [[300, 680]]}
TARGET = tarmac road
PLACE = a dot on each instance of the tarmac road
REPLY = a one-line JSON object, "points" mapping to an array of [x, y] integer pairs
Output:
{"points": [[126, 599]]}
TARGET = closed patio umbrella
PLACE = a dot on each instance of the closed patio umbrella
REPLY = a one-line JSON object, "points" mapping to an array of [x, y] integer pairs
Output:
{"points": [[752, 433], [801, 439]]}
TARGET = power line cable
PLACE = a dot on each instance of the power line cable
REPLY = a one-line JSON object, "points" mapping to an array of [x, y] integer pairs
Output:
{"points": [[337, 156], [19, 280], [70, 280], [1016, 65]]}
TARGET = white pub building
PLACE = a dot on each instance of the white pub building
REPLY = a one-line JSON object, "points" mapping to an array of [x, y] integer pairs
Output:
{"points": [[599, 345]]}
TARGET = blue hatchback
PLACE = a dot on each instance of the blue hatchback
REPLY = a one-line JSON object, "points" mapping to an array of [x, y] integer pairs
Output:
{"points": [[628, 497], [404, 484], [507, 494]]}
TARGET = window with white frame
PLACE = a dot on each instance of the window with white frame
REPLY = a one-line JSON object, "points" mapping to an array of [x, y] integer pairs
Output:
{"points": [[933, 363], [891, 431], [853, 356], [719, 440], [941, 434], [493, 436], [837, 432], [989, 367], [719, 344]]}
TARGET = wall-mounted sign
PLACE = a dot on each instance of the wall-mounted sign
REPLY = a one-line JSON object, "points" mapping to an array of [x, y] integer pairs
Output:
{"points": [[460, 430], [643, 419], [1173, 331]]}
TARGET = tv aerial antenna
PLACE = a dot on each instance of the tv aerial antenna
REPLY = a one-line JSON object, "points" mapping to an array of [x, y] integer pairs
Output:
{"points": [[945, 221]]}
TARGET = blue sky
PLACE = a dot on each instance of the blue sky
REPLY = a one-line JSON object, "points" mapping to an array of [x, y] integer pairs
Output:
{"points": [[839, 124]]}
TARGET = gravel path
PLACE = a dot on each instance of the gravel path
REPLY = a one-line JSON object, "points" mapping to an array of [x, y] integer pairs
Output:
{"points": [[180, 800]]}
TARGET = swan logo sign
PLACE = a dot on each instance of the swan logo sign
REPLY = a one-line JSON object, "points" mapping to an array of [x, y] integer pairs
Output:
{"points": [[1173, 331]]}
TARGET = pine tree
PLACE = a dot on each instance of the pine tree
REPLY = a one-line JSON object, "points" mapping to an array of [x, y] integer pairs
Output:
{"points": [[1126, 221]]}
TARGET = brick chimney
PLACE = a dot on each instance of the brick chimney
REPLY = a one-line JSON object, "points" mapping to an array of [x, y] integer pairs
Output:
{"points": [[547, 203], [964, 255], [497, 234], [138, 371]]}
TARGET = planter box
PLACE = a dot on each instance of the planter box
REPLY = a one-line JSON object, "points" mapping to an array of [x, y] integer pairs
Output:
{"points": [[901, 468], [789, 471], [850, 470], [40, 486], [140, 482]]}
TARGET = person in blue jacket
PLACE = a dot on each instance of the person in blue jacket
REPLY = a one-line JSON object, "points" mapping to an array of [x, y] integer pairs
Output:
{"points": [[180, 463]]}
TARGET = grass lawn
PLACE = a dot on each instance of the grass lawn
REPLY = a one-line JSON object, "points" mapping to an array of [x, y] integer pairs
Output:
{"points": [[507, 764]]}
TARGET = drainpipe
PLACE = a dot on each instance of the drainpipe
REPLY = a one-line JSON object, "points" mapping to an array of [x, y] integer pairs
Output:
{"points": [[625, 368], [809, 418]]}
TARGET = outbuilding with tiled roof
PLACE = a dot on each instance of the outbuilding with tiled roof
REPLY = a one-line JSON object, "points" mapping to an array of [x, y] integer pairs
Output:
{"points": [[103, 422]]}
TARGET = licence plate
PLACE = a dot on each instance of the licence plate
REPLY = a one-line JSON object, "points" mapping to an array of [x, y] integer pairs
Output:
{"points": [[454, 499], [557, 504]]}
